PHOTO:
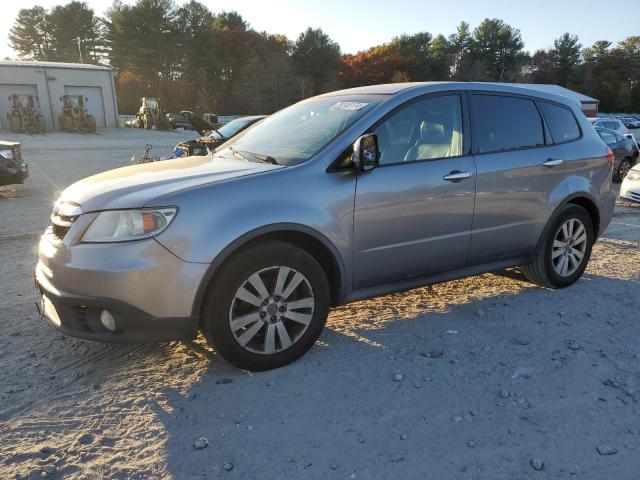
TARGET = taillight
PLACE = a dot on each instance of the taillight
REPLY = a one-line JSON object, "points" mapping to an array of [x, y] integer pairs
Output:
{"points": [[610, 158]]}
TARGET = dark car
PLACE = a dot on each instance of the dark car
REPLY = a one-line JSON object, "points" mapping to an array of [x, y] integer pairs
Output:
{"points": [[177, 120], [624, 150], [211, 137], [12, 168]]}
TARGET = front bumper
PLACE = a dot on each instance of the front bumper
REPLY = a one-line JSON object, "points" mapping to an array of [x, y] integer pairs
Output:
{"points": [[149, 292], [79, 316], [630, 191]]}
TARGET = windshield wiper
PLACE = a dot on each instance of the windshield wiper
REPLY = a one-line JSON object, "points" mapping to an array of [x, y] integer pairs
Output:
{"points": [[259, 156]]}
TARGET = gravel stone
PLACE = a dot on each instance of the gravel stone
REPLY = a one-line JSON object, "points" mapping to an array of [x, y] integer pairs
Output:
{"points": [[200, 444], [398, 377], [606, 450], [50, 469], [228, 466], [536, 464]]}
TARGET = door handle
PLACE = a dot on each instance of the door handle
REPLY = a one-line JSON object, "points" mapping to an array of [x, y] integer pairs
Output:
{"points": [[552, 162], [456, 176]]}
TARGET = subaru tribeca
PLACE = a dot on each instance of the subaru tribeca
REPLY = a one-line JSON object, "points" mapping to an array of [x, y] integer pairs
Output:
{"points": [[340, 197]]}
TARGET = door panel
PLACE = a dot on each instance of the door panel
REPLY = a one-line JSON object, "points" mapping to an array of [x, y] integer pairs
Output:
{"points": [[512, 201], [410, 222], [519, 175]]}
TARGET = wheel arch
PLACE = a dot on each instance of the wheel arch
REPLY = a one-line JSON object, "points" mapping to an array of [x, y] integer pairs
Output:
{"points": [[301, 236], [587, 202]]}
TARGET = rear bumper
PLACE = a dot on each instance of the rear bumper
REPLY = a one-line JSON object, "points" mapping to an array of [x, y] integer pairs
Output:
{"points": [[79, 316]]}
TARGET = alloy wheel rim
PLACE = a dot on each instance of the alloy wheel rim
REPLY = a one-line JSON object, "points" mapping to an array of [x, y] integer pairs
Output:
{"points": [[624, 168], [271, 310], [569, 247]]}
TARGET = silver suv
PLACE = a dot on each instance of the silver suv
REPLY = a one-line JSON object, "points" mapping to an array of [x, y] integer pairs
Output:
{"points": [[341, 197]]}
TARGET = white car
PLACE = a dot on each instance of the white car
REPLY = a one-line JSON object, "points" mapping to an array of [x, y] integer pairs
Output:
{"points": [[630, 188]]}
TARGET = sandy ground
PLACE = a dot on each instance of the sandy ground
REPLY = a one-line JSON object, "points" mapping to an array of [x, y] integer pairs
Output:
{"points": [[482, 378]]}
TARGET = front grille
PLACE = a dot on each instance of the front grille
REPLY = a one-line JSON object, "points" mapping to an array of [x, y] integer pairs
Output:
{"points": [[634, 196]]}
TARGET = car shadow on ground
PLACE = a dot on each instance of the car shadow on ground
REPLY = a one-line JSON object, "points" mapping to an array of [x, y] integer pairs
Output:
{"points": [[410, 372]]}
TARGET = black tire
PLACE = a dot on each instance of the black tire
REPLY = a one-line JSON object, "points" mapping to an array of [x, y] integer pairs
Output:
{"points": [[148, 122], [220, 297], [67, 124], [541, 271], [91, 124], [42, 124], [16, 124], [623, 169]]}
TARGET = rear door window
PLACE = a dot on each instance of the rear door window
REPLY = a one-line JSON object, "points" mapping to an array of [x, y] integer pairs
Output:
{"points": [[505, 123], [561, 122], [607, 137]]}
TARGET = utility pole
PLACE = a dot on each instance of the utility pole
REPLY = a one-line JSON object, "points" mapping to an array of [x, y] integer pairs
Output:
{"points": [[79, 48]]}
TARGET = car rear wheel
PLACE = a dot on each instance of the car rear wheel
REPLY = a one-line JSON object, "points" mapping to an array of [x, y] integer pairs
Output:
{"points": [[623, 169], [266, 306], [564, 249]]}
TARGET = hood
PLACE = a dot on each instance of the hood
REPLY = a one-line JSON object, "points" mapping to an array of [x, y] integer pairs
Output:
{"points": [[198, 123], [137, 185]]}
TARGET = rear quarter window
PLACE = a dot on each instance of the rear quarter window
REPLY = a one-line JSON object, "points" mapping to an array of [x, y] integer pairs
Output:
{"points": [[505, 123], [561, 122]]}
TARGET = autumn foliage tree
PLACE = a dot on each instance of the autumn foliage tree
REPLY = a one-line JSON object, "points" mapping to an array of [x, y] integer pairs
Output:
{"points": [[201, 60]]}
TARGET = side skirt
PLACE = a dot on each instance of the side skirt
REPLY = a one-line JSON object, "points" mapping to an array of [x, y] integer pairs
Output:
{"points": [[411, 283]]}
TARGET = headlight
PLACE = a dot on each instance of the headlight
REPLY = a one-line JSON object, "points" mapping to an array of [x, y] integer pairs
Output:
{"points": [[126, 225], [633, 175]]}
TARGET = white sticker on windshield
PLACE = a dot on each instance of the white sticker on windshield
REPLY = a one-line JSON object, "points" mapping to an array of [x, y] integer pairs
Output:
{"points": [[349, 105]]}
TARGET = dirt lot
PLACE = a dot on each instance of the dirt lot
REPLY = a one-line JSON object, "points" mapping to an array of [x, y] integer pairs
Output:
{"points": [[482, 378]]}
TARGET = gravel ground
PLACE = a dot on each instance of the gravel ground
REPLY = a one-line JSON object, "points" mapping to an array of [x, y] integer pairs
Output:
{"points": [[482, 378]]}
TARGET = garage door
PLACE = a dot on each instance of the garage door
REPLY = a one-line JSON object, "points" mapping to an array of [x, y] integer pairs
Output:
{"points": [[94, 103], [5, 104]]}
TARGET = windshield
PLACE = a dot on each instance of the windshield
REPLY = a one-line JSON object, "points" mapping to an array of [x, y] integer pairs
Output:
{"points": [[295, 134], [152, 102], [230, 129]]}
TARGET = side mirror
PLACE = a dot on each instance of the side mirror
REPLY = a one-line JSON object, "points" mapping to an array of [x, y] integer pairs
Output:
{"points": [[365, 152]]}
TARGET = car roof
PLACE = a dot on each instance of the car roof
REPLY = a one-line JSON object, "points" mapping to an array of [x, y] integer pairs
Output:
{"points": [[427, 87], [6, 143]]}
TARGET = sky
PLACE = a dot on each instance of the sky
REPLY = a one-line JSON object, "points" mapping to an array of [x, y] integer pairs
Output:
{"points": [[358, 24]]}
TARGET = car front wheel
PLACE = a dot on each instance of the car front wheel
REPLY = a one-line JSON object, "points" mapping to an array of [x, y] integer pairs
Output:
{"points": [[564, 249], [266, 306]]}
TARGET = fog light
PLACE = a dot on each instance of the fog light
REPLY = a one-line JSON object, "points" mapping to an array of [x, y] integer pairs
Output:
{"points": [[107, 320]]}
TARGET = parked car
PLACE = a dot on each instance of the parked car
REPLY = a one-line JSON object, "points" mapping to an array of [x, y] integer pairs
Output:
{"points": [[177, 120], [611, 123], [345, 196], [212, 138], [630, 122], [13, 169], [630, 188], [625, 152]]}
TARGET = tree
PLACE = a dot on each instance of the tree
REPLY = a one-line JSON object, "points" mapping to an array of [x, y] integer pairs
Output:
{"points": [[30, 35], [460, 47], [69, 23], [142, 38], [567, 59], [499, 47], [317, 59]]}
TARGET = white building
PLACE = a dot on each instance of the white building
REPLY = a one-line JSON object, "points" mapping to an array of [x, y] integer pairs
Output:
{"points": [[48, 81]]}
